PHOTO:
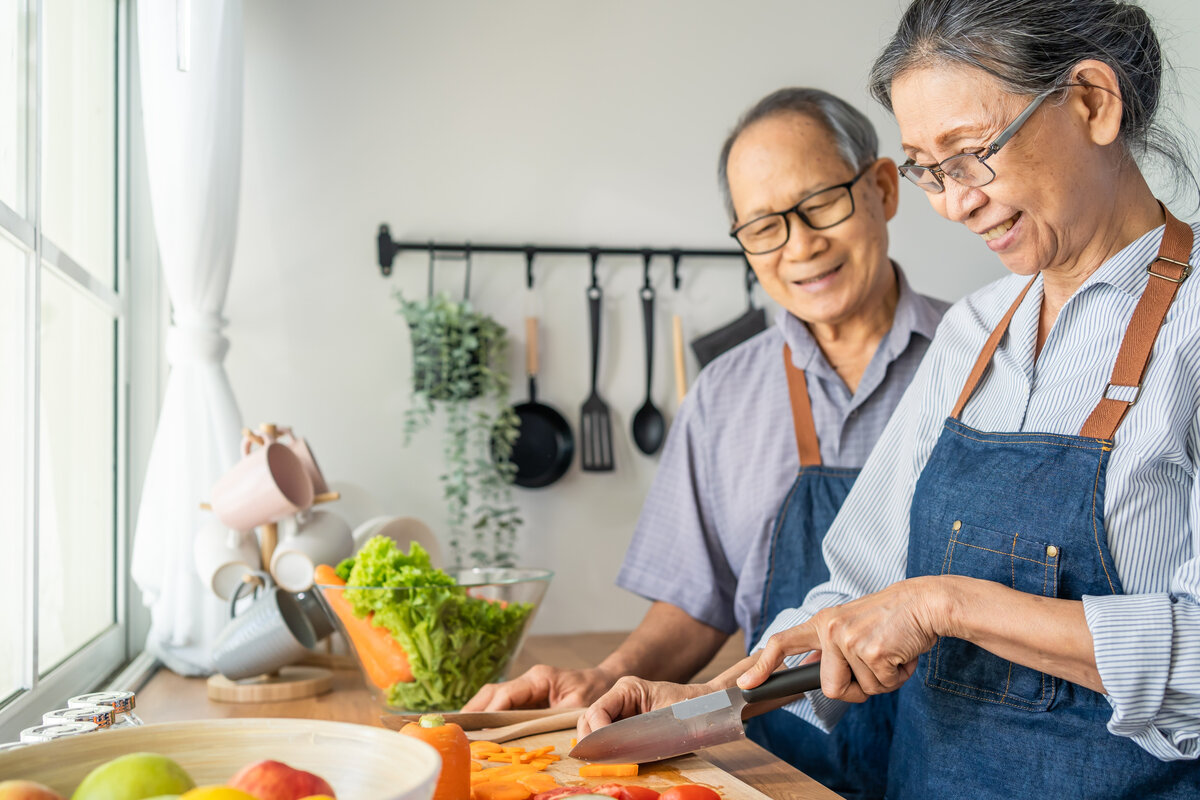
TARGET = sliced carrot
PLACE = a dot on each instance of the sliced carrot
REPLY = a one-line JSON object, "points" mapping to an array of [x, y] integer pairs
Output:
{"points": [[608, 770], [476, 766], [503, 758], [512, 749], [482, 747], [500, 790], [574, 742], [511, 771], [382, 657], [537, 782], [542, 750]]}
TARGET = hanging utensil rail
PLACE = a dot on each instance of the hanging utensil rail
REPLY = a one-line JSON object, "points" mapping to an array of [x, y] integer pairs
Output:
{"points": [[388, 247]]}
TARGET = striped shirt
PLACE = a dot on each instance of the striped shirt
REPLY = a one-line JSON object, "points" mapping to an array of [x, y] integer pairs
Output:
{"points": [[703, 536], [1147, 641]]}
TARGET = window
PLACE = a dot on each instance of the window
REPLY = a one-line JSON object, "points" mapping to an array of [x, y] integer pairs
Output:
{"points": [[63, 351]]}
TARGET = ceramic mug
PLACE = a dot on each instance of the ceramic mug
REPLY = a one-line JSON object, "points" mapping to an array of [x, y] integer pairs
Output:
{"points": [[403, 531], [265, 486], [272, 633], [303, 452], [224, 556], [314, 537]]}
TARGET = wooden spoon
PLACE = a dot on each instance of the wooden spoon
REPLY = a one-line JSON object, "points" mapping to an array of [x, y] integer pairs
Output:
{"points": [[554, 722]]}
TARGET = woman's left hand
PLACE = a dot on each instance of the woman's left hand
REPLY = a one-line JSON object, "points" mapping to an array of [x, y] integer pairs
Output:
{"points": [[868, 646]]}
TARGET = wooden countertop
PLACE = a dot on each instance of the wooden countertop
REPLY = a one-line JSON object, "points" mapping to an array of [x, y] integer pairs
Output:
{"points": [[168, 697]]}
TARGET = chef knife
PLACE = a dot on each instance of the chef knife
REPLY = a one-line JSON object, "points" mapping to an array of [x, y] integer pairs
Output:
{"points": [[690, 725]]}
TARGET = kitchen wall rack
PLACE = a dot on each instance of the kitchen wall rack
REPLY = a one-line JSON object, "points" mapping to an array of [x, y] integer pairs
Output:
{"points": [[388, 247]]}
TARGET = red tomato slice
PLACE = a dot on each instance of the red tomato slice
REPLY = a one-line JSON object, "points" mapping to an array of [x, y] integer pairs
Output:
{"points": [[689, 791], [562, 791], [621, 791]]}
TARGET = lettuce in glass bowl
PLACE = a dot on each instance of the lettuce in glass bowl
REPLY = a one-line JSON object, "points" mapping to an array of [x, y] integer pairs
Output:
{"points": [[427, 639]]}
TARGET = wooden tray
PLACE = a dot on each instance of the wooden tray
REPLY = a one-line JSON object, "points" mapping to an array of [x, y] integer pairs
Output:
{"points": [[659, 776]]}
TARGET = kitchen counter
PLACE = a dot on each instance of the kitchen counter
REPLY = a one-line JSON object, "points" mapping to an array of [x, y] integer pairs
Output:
{"points": [[168, 697]]}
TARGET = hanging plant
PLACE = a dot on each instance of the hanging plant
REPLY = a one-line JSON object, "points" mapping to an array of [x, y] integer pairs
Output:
{"points": [[458, 358]]}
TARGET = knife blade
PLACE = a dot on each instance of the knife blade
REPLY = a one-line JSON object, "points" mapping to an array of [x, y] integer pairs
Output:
{"points": [[690, 725]]}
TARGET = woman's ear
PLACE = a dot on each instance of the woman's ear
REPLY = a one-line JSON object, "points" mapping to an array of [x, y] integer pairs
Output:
{"points": [[1100, 100], [886, 178]]}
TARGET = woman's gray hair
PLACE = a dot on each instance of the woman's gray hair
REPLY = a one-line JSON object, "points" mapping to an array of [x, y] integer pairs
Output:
{"points": [[1031, 46], [853, 133]]}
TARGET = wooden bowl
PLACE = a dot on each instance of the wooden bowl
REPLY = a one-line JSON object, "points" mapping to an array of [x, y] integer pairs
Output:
{"points": [[360, 762]]}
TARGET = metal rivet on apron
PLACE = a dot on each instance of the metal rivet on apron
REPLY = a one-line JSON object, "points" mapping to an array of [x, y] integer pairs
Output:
{"points": [[957, 524], [1051, 551]]}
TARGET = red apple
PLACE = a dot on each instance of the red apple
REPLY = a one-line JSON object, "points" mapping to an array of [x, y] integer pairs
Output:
{"points": [[27, 790], [274, 780]]}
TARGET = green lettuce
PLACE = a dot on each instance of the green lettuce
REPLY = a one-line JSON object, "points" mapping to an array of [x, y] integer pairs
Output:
{"points": [[455, 643]]}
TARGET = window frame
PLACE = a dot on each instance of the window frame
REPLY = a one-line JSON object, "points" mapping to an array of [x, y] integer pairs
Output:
{"points": [[111, 649]]}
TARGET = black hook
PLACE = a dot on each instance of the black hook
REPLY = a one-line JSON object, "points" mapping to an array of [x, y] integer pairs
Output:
{"points": [[751, 279], [467, 280], [675, 256], [429, 288], [646, 257], [595, 256], [387, 253], [529, 253]]}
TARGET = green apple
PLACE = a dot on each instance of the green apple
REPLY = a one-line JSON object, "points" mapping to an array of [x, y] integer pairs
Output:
{"points": [[136, 776]]}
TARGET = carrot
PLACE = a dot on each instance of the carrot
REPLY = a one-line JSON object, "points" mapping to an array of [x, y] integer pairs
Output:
{"points": [[537, 782], [382, 657], [608, 770], [511, 771], [476, 766], [500, 790], [481, 747], [454, 781]]}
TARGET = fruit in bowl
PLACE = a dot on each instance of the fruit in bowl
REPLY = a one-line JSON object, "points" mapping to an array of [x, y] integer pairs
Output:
{"points": [[428, 639]]}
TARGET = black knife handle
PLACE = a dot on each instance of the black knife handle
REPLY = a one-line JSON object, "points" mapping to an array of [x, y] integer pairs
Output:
{"points": [[786, 683]]}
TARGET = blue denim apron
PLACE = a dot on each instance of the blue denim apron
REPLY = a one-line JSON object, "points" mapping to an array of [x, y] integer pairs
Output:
{"points": [[852, 760], [1026, 509]]}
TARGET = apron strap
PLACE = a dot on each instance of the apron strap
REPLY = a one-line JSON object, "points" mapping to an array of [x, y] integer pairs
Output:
{"points": [[985, 355], [807, 444], [1171, 268]]}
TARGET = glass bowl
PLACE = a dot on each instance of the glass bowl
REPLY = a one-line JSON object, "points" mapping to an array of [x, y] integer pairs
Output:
{"points": [[431, 648]]}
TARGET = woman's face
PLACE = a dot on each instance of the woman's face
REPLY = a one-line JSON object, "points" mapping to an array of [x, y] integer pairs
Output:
{"points": [[1050, 176], [828, 276]]}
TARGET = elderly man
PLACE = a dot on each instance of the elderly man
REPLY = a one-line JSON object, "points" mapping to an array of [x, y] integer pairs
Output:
{"points": [[772, 435]]}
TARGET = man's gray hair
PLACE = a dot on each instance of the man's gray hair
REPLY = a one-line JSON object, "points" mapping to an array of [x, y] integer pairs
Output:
{"points": [[852, 132], [1031, 46]]}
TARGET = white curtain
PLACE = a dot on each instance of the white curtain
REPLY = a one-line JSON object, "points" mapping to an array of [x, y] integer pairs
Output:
{"points": [[191, 79]]}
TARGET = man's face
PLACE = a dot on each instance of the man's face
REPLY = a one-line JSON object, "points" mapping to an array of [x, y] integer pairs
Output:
{"points": [[825, 277]]}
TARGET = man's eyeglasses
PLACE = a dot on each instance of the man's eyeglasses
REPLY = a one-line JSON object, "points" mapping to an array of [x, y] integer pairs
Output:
{"points": [[819, 210], [969, 169]]}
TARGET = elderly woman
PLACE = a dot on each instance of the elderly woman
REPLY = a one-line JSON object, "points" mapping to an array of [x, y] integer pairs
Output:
{"points": [[1020, 557]]}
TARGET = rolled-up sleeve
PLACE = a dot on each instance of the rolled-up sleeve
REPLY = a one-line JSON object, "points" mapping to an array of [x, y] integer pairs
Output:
{"points": [[676, 556]]}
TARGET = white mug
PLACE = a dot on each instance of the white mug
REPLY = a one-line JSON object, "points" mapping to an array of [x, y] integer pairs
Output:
{"points": [[223, 556], [311, 538]]}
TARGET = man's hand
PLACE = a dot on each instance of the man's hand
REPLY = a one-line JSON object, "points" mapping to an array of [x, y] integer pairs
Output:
{"points": [[632, 696], [543, 686], [868, 646]]}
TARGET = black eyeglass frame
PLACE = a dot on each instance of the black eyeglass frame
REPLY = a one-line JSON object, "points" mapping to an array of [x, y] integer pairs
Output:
{"points": [[787, 226], [910, 169]]}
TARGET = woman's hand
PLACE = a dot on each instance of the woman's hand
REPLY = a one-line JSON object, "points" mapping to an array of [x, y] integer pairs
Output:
{"points": [[540, 687], [632, 696], [868, 646]]}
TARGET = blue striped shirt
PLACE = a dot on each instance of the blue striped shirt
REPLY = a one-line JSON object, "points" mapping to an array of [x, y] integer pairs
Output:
{"points": [[703, 536], [1147, 641]]}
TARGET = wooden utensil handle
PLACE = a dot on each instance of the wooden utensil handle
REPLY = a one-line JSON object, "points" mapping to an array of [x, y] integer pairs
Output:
{"points": [[555, 722], [531, 346], [680, 372]]}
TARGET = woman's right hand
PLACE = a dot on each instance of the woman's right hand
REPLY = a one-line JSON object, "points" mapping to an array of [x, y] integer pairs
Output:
{"points": [[632, 696]]}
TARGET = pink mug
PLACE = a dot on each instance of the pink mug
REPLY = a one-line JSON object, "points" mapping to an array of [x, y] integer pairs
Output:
{"points": [[305, 454], [267, 485]]}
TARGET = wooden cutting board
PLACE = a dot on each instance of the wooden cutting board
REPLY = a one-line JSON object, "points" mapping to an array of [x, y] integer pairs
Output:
{"points": [[659, 776]]}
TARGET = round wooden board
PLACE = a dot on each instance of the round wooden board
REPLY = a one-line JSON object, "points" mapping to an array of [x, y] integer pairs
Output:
{"points": [[290, 683]]}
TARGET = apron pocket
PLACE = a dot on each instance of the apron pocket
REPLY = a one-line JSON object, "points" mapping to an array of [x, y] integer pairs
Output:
{"points": [[961, 668]]}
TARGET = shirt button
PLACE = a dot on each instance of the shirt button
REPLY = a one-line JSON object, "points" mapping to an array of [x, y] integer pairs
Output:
{"points": [[1051, 551], [957, 524]]}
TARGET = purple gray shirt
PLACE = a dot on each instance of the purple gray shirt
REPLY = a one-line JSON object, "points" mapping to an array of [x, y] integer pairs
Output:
{"points": [[702, 539]]}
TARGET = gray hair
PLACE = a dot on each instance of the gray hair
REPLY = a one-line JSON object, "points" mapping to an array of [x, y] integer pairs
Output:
{"points": [[852, 132], [1031, 46]]}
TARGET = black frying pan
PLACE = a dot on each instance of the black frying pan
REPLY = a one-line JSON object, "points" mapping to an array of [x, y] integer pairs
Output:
{"points": [[544, 446]]}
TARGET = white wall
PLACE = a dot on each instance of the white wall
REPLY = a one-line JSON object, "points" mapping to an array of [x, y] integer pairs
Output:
{"points": [[554, 122]]}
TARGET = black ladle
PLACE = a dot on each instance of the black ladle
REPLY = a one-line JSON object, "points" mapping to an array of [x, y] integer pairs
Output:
{"points": [[649, 427]]}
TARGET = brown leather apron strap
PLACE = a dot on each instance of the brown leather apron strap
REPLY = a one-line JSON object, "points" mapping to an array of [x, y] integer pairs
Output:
{"points": [[1168, 270], [807, 444], [985, 355]]}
